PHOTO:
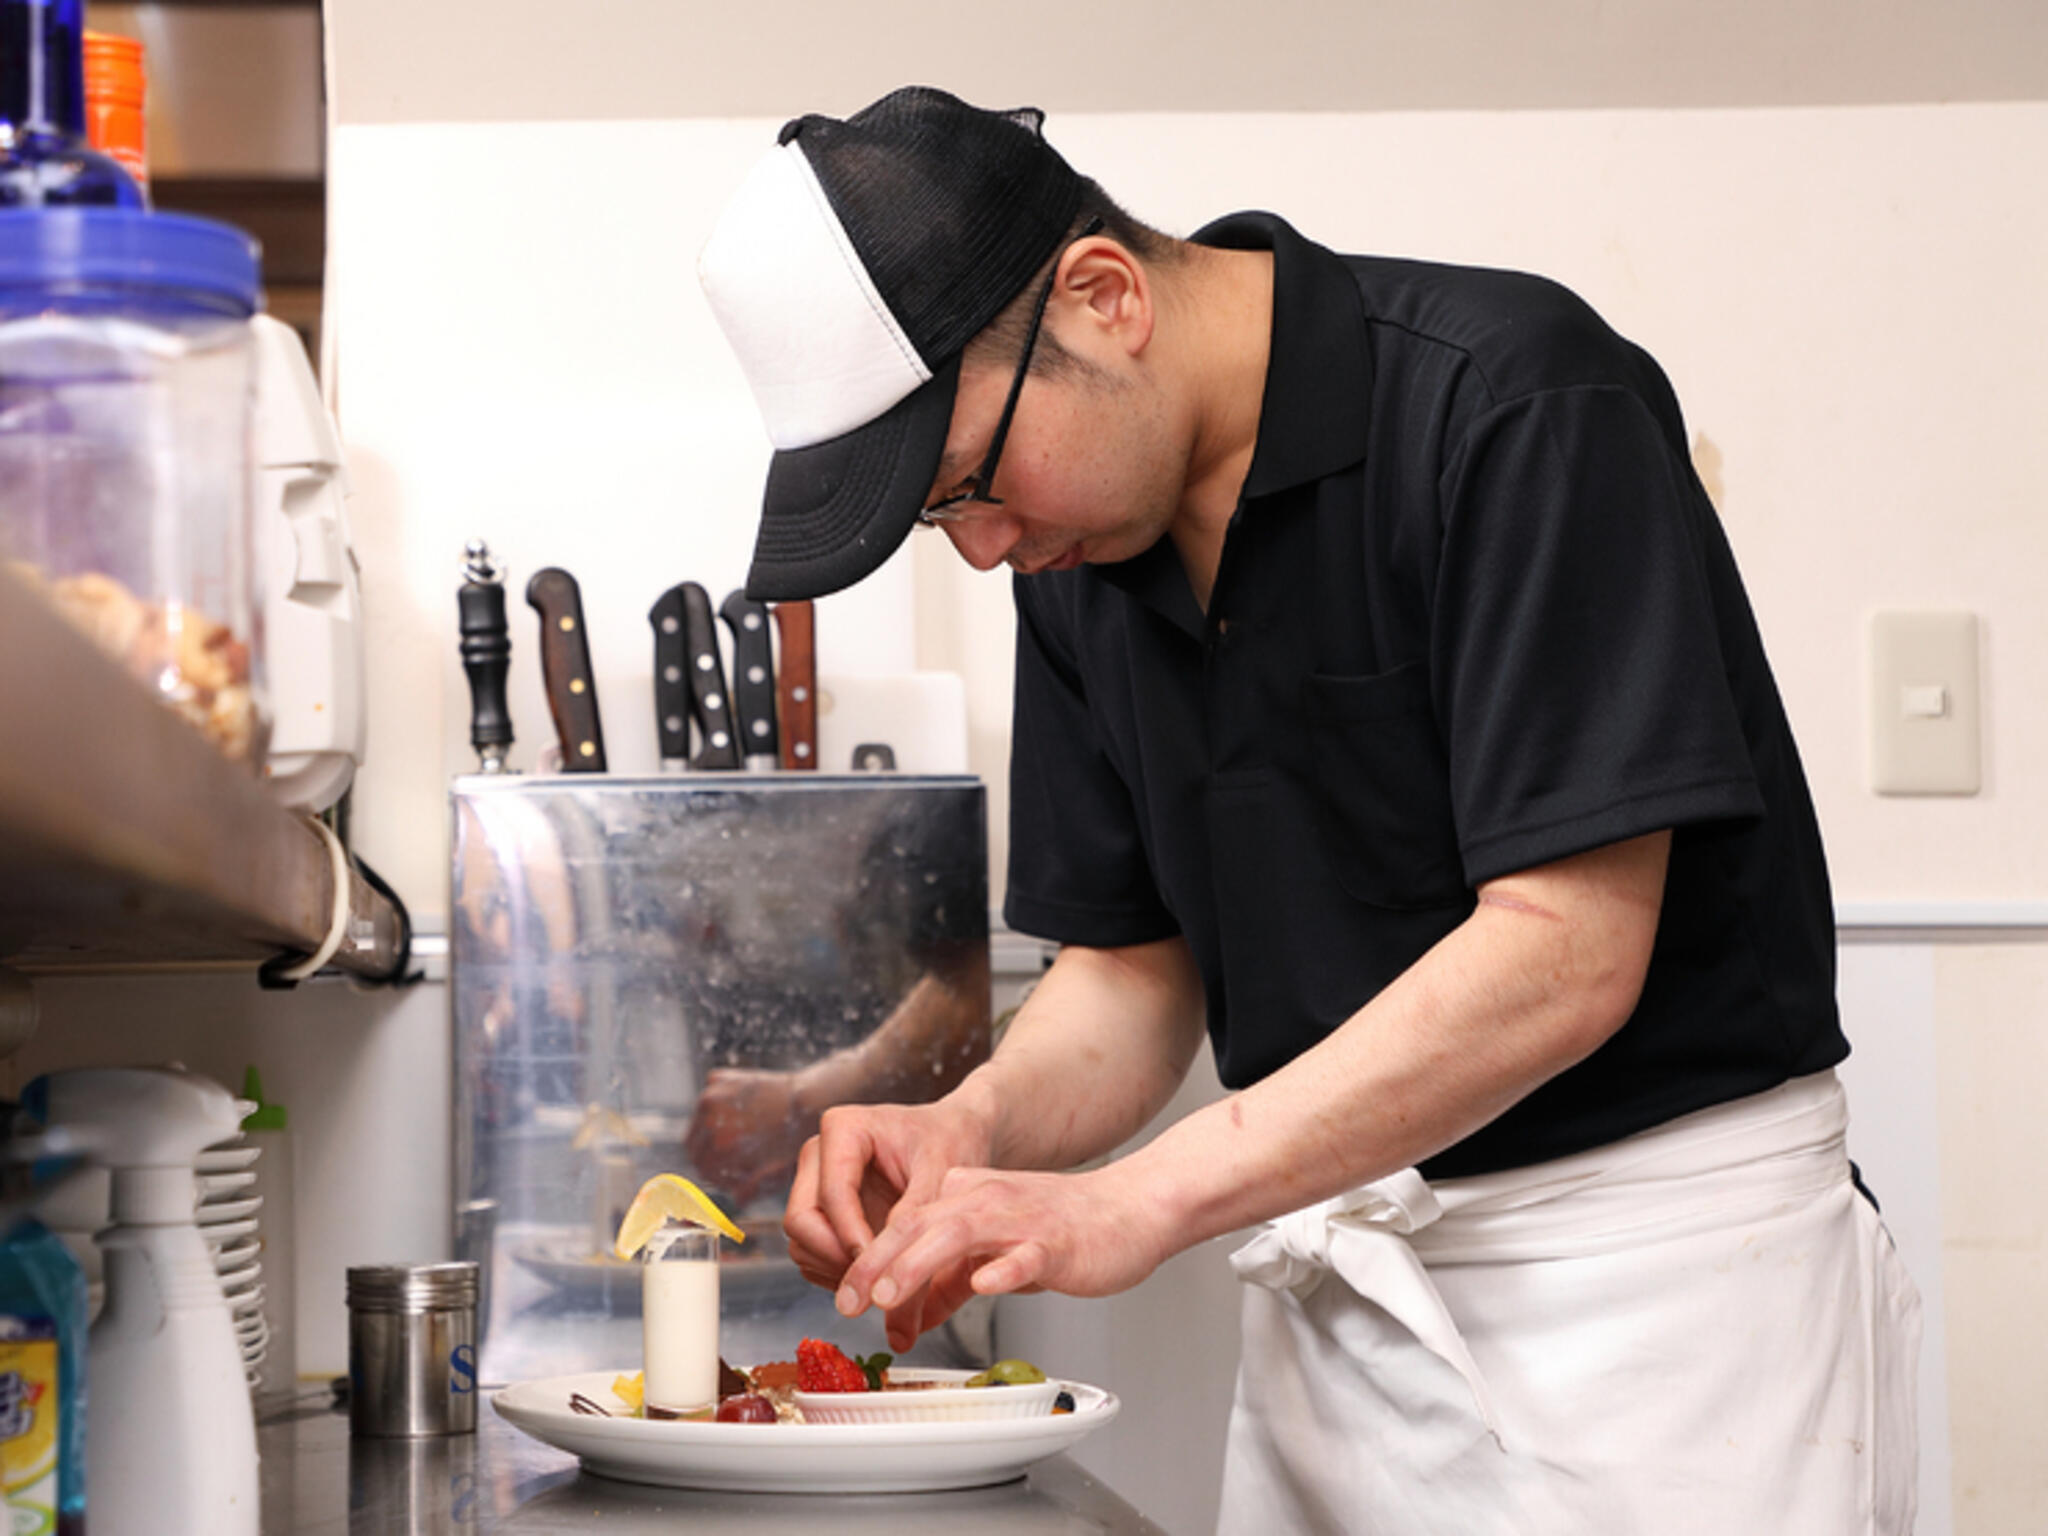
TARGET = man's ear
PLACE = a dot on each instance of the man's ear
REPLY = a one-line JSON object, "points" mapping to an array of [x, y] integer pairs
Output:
{"points": [[1107, 293]]}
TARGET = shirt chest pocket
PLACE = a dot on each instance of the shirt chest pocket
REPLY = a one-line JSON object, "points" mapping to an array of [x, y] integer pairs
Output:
{"points": [[1382, 786]]}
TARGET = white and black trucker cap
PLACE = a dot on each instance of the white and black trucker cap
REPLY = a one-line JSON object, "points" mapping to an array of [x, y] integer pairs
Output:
{"points": [[848, 272]]}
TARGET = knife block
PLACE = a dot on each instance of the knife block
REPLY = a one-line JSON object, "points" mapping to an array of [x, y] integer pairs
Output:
{"points": [[656, 974]]}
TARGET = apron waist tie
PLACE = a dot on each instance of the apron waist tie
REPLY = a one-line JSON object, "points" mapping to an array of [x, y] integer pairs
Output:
{"points": [[1717, 1165], [1362, 1235]]}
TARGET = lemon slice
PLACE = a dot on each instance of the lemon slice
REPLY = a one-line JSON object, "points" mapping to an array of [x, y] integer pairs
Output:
{"points": [[630, 1390], [669, 1197]]}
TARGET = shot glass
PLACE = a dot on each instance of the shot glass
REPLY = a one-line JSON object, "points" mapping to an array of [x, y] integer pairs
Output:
{"points": [[679, 1322]]}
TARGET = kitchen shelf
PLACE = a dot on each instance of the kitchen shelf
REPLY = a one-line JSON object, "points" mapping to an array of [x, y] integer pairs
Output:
{"points": [[126, 839]]}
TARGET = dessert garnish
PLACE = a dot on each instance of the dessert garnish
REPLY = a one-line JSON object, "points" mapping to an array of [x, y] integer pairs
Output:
{"points": [[746, 1408], [1007, 1373], [765, 1394], [823, 1367], [669, 1197]]}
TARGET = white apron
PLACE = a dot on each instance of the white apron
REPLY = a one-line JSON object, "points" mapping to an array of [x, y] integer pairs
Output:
{"points": [[1701, 1329]]}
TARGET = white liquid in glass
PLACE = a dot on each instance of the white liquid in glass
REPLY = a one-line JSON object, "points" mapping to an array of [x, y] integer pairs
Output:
{"points": [[679, 1334]]}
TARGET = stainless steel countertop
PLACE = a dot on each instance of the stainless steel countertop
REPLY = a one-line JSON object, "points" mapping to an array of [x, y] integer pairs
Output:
{"points": [[317, 1479]]}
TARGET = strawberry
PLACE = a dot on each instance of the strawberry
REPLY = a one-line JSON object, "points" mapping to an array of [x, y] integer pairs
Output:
{"points": [[822, 1367]]}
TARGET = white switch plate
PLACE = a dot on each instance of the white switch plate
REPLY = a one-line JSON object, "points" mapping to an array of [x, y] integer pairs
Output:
{"points": [[1923, 704]]}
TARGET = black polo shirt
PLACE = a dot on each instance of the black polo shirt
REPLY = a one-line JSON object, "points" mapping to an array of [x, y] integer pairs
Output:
{"points": [[1474, 614]]}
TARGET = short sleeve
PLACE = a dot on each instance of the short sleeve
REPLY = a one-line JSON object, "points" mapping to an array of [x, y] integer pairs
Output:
{"points": [[1079, 872], [1580, 678]]}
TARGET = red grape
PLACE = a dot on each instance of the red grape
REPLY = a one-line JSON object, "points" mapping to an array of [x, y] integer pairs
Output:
{"points": [[747, 1408]]}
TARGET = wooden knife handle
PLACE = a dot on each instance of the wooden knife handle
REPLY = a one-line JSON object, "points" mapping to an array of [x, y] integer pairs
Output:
{"points": [[796, 684], [565, 669]]}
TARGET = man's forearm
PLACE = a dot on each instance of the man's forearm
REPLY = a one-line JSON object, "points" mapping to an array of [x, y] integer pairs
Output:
{"points": [[1544, 971], [1095, 1052]]}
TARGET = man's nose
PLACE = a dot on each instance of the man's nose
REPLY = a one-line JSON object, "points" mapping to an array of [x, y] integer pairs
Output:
{"points": [[983, 541]]}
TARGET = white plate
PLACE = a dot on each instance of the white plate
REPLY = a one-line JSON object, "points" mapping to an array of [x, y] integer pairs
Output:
{"points": [[214, 1187], [793, 1458], [233, 1280], [226, 1159], [221, 1212], [231, 1258], [218, 1236]]}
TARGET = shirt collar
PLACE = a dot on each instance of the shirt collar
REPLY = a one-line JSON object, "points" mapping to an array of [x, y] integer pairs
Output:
{"points": [[1313, 417]]}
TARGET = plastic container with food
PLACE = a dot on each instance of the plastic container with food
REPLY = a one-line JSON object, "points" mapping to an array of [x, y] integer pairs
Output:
{"points": [[127, 402], [918, 1396]]}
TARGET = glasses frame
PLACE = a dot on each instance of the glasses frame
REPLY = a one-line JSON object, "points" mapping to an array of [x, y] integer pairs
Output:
{"points": [[980, 485]]}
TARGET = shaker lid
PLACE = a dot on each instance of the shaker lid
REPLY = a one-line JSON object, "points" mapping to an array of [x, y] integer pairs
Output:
{"points": [[412, 1287], [131, 247]]}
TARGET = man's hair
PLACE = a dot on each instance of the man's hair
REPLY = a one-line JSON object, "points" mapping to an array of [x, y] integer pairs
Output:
{"points": [[1002, 338]]}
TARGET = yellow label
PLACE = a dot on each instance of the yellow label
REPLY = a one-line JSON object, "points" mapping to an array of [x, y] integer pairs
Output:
{"points": [[28, 1431]]}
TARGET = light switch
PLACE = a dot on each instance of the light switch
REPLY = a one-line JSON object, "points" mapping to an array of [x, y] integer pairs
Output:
{"points": [[1923, 704], [1924, 701]]}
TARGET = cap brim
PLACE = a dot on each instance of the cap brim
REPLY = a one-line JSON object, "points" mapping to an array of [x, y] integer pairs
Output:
{"points": [[835, 511]]}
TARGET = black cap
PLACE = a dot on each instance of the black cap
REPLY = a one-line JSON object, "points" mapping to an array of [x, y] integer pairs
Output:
{"points": [[849, 273]]}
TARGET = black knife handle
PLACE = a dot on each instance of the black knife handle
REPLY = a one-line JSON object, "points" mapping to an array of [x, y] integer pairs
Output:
{"points": [[753, 675], [671, 677], [486, 645], [565, 669], [710, 705]]}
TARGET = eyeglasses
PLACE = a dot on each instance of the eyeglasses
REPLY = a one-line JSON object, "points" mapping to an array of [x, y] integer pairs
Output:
{"points": [[952, 508]]}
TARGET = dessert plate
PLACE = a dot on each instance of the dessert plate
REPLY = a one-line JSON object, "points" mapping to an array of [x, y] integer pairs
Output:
{"points": [[793, 1458]]}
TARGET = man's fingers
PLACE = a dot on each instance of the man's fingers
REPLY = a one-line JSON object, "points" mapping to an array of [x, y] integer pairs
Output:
{"points": [[1012, 1270], [928, 1252], [813, 1244], [844, 1159]]}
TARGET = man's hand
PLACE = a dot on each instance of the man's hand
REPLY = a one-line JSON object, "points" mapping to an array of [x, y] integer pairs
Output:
{"points": [[866, 1162], [1094, 1053], [988, 1232]]}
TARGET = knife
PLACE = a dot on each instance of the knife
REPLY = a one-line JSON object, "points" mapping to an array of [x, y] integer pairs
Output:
{"points": [[710, 706], [753, 679], [796, 684], [671, 681], [565, 669], [486, 644]]}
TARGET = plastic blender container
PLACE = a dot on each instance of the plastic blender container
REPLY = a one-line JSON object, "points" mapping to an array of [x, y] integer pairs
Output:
{"points": [[127, 403]]}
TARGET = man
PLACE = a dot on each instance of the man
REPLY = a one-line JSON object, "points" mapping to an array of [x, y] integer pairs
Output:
{"points": [[1389, 705]]}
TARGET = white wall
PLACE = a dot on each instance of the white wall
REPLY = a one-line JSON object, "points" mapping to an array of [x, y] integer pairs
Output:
{"points": [[523, 356], [551, 379], [497, 60], [1800, 273], [1850, 305]]}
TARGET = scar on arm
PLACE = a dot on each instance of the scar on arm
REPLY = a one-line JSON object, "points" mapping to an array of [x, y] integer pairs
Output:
{"points": [[1514, 903], [1236, 1114]]}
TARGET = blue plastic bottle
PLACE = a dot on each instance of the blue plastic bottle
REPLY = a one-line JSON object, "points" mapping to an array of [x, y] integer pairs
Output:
{"points": [[42, 1382], [45, 158]]}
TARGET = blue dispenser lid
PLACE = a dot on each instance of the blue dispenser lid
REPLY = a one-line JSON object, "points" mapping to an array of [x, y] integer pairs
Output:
{"points": [[130, 248]]}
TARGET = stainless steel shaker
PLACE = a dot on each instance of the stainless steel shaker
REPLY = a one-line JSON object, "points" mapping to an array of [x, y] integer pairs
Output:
{"points": [[412, 1349]]}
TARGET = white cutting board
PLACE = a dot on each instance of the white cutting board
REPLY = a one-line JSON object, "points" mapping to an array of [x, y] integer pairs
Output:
{"points": [[921, 716]]}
